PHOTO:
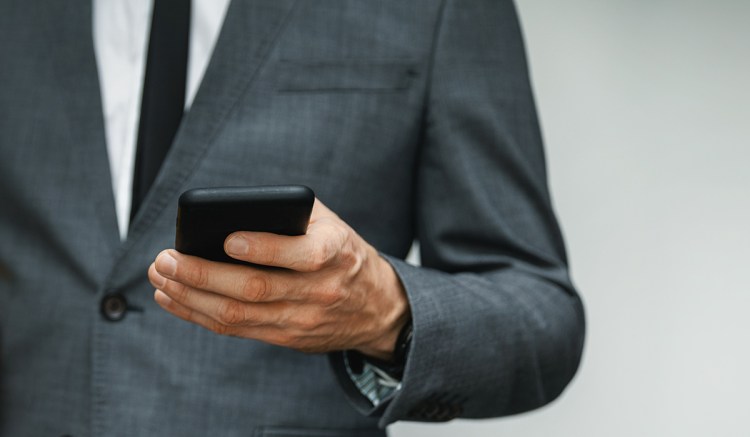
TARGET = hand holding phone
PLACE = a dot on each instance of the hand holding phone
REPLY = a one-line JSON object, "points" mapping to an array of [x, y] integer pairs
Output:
{"points": [[326, 290]]}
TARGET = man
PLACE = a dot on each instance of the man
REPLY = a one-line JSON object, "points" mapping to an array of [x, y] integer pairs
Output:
{"points": [[409, 119]]}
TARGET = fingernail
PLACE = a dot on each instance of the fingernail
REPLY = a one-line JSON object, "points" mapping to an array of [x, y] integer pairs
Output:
{"points": [[166, 264], [237, 246]]}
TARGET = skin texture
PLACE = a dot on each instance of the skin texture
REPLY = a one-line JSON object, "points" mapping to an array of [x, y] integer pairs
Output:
{"points": [[333, 291]]}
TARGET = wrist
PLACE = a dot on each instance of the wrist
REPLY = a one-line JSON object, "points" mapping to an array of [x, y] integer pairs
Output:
{"points": [[396, 316], [394, 367]]}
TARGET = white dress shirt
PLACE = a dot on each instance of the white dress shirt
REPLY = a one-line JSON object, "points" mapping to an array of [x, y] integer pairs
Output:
{"points": [[120, 32]]}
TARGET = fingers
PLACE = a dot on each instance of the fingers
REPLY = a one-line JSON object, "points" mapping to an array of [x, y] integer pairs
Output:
{"points": [[300, 336], [242, 283], [193, 316], [312, 252], [222, 309]]}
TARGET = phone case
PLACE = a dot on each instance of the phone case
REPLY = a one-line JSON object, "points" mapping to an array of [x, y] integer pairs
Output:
{"points": [[206, 216]]}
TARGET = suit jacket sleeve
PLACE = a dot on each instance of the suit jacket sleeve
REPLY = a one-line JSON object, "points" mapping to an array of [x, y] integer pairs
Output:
{"points": [[498, 326]]}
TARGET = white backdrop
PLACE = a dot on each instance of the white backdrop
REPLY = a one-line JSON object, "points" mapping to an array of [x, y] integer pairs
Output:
{"points": [[645, 106]]}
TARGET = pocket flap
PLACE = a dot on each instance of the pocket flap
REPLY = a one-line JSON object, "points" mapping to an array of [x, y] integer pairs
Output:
{"points": [[354, 76]]}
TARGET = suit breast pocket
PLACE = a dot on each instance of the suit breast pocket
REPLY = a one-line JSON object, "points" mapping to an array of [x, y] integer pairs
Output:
{"points": [[345, 77]]}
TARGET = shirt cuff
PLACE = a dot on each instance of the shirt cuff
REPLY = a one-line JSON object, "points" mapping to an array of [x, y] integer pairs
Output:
{"points": [[373, 382]]}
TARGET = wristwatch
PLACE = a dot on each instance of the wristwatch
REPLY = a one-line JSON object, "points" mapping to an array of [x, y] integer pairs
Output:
{"points": [[395, 367]]}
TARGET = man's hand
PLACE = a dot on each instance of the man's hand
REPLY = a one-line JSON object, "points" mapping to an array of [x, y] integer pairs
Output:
{"points": [[334, 292]]}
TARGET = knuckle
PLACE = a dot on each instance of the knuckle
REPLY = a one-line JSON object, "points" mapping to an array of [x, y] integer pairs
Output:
{"points": [[272, 256], [349, 259], [349, 256], [309, 322], [179, 292], [343, 235], [320, 256], [284, 339], [330, 296], [199, 276], [264, 253], [218, 328], [231, 313], [256, 288]]}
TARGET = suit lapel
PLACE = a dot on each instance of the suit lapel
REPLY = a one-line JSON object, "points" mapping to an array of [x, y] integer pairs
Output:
{"points": [[247, 36], [74, 65]]}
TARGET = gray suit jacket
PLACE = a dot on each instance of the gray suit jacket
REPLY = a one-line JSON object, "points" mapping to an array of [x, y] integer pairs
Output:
{"points": [[411, 119]]}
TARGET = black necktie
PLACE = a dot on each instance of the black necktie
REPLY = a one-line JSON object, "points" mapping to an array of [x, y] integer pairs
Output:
{"points": [[163, 92]]}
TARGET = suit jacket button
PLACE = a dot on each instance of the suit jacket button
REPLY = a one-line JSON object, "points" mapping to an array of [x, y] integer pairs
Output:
{"points": [[113, 307]]}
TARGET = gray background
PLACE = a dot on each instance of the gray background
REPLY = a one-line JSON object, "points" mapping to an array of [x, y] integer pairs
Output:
{"points": [[645, 107]]}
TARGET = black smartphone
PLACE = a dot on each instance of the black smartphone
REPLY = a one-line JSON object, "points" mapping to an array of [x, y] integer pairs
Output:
{"points": [[206, 216]]}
